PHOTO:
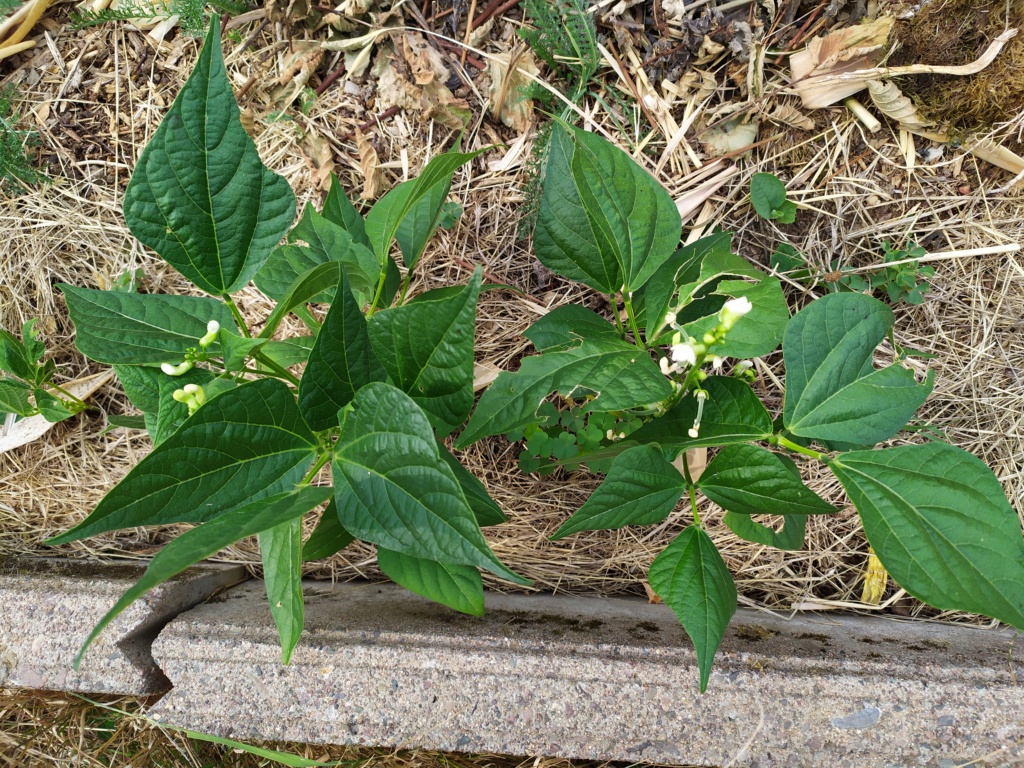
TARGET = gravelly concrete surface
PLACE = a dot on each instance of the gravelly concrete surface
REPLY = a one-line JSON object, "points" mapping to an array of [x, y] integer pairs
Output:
{"points": [[49, 607], [595, 678]]}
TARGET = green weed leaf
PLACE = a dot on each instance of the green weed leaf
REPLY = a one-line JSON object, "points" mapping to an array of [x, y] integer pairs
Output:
{"points": [[393, 488], [457, 586], [621, 375], [768, 196], [200, 196], [206, 540], [754, 481], [244, 445], [641, 488], [141, 329], [340, 362], [426, 346], [693, 580], [281, 550], [938, 520], [832, 390]]}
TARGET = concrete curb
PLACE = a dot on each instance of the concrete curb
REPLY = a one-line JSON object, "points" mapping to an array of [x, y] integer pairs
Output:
{"points": [[49, 607], [594, 678]]}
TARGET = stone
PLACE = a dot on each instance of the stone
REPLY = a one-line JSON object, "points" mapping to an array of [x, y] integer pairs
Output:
{"points": [[602, 679], [49, 607]]}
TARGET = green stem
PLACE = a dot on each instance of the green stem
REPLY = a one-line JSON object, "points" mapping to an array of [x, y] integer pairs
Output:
{"points": [[638, 339], [689, 487], [405, 287], [321, 460], [780, 440], [615, 315], [379, 292], [307, 317], [284, 373], [68, 395], [238, 316]]}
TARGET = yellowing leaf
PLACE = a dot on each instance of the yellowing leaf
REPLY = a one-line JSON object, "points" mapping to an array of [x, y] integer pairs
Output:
{"points": [[875, 579], [510, 75]]}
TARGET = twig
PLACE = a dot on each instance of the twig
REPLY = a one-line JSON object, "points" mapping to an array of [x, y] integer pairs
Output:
{"points": [[387, 113], [473, 61], [329, 80], [469, 31], [495, 8]]}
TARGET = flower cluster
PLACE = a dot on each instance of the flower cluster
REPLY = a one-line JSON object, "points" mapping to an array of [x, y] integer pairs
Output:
{"points": [[180, 369]]}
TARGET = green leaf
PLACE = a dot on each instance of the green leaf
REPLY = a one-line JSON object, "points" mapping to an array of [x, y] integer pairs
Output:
{"points": [[567, 325], [339, 210], [633, 212], [120, 421], [289, 352], [938, 520], [485, 509], [693, 580], [421, 220], [326, 242], [732, 414], [200, 196], [328, 537], [753, 481], [832, 390], [341, 361], [457, 586], [142, 383], [565, 240], [14, 357], [281, 550], [759, 331], [621, 375], [305, 288], [206, 540], [789, 538], [641, 488], [284, 758], [389, 213], [426, 347], [244, 445], [51, 407], [14, 398], [141, 329], [394, 489], [34, 349], [768, 196], [235, 349]]}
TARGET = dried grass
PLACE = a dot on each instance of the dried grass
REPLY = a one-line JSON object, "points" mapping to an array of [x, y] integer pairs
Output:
{"points": [[853, 191], [40, 729]]}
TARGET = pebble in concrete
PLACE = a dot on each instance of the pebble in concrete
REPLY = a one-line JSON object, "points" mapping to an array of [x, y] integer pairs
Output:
{"points": [[49, 607], [594, 678]]}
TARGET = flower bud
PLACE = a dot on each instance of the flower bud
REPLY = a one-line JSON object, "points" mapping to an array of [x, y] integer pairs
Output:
{"points": [[716, 362], [684, 354], [670, 318], [693, 433], [177, 370], [733, 310]]}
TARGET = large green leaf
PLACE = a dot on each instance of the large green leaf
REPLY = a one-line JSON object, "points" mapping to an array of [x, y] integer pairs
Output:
{"points": [[790, 537], [565, 240], [732, 414], [620, 375], [206, 540], [753, 481], [141, 329], [339, 210], [325, 242], [632, 211], [759, 331], [200, 196], [567, 325], [340, 362], [281, 550], [485, 509], [832, 390], [641, 488], [246, 444], [169, 413], [14, 397], [457, 586], [393, 488], [426, 347], [938, 520], [422, 218], [388, 214], [693, 580], [328, 537]]}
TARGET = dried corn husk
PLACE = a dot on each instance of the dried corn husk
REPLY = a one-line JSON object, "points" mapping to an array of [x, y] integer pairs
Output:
{"points": [[845, 50], [984, 148], [791, 116], [893, 104]]}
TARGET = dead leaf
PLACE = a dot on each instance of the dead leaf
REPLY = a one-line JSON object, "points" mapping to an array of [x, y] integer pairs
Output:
{"points": [[893, 104], [430, 98], [875, 580], [696, 462], [787, 115], [300, 64], [729, 137], [484, 375], [841, 51], [32, 428], [510, 76], [425, 62], [652, 596], [317, 151], [370, 165]]}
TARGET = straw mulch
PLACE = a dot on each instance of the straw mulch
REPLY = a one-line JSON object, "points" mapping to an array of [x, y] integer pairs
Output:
{"points": [[98, 94]]}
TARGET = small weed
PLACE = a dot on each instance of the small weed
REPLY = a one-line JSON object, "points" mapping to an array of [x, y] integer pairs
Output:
{"points": [[906, 280], [16, 167]]}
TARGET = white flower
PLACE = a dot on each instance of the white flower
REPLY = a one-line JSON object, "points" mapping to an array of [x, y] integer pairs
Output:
{"points": [[743, 365], [716, 362], [733, 310], [693, 433], [684, 354], [670, 318], [176, 370], [213, 327]]}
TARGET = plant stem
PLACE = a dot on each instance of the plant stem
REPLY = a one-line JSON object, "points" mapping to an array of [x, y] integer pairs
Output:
{"points": [[615, 314], [282, 372], [321, 460], [68, 395], [689, 488], [307, 317], [379, 292], [628, 301], [780, 440], [238, 316], [405, 287]]}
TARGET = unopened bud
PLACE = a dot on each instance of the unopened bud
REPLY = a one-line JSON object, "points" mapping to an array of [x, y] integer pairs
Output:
{"points": [[177, 370]]}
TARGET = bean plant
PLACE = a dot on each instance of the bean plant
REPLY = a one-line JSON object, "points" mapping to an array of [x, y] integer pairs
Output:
{"points": [[240, 439]]}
